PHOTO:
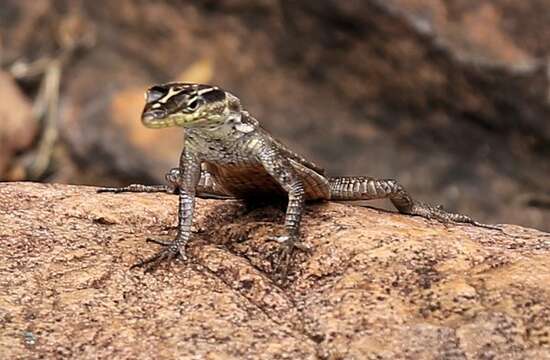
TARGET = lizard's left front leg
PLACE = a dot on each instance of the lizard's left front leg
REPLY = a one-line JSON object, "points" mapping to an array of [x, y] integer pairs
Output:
{"points": [[187, 183], [283, 172]]}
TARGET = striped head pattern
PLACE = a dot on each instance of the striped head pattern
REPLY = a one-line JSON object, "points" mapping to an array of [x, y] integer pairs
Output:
{"points": [[187, 105]]}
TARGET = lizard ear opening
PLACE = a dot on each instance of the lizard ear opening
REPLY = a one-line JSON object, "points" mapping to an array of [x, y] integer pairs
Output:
{"points": [[233, 102]]}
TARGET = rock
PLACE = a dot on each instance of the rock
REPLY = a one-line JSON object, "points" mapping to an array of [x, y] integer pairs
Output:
{"points": [[378, 284], [17, 127]]}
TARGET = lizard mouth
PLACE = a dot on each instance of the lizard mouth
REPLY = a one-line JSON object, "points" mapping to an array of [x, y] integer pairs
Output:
{"points": [[159, 118], [156, 118]]}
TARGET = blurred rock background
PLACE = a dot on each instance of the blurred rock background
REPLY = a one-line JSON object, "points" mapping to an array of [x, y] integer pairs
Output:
{"points": [[450, 97]]}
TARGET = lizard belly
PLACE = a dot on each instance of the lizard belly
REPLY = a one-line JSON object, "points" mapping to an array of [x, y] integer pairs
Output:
{"points": [[252, 180], [246, 181]]}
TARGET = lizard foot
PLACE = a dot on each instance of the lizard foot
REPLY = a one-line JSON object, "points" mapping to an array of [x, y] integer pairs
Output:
{"points": [[137, 188], [170, 251], [281, 258], [438, 213]]}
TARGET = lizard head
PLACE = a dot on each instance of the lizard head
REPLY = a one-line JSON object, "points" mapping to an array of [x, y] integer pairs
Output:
{"points": [[187, 105]]}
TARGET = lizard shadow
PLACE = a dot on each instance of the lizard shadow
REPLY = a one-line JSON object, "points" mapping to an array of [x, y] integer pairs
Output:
{"points": [[242, 212], [243, 228]]}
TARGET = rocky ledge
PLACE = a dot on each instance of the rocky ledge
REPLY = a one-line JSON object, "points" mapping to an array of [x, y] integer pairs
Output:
{"points": [[378, 284]]}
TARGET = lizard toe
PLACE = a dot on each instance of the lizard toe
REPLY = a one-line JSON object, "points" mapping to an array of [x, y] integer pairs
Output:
{"points": [[281, 258], [168, 253], [158, 242], [108, 190]]}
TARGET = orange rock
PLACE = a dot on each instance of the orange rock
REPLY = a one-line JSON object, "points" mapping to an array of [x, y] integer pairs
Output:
{"points": [[17, 125], [378, 285]]}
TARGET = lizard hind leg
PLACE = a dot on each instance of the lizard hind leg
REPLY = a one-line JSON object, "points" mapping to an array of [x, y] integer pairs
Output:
{"points": [[171, 188], [207, 188], [351, 188]]}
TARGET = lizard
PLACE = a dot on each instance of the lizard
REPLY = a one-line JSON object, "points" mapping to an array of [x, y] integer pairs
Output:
{"points": [[228, 154]]}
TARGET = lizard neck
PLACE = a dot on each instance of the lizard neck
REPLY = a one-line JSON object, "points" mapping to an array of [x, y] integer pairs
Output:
{"points": [[232, 126]]}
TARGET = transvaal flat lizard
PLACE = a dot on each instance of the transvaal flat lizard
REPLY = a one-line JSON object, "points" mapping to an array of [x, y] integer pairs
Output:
{"points": [[227, 154]]}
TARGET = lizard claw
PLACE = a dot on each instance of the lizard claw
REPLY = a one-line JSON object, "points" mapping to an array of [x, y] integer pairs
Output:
{"points": [[158, 242], [108, 190], [170, 251], [281, 258]]}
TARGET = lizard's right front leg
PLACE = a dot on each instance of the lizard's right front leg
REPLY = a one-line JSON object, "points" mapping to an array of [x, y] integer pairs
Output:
{"points": [[187, 183], [287, 177]]}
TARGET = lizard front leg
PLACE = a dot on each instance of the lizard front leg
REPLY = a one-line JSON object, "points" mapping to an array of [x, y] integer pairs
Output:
{"points": [[349, 188], [283, 172], [187, 183]]}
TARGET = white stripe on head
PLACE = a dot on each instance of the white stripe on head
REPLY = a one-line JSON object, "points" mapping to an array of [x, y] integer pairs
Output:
{"points": [[171, 92], [207, 90]]}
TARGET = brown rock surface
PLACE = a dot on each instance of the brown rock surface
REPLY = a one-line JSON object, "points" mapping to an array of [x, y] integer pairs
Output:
{"points": [[378, 285]]}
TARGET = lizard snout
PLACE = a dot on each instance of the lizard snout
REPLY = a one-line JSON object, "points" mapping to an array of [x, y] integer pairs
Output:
{"points": [[153, 114]]}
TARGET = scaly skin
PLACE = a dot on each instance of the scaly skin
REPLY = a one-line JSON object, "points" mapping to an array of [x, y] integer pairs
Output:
{"points": [[227, 154]]}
